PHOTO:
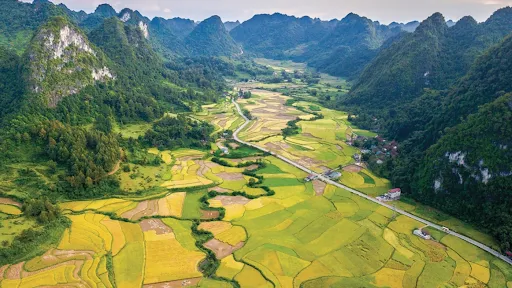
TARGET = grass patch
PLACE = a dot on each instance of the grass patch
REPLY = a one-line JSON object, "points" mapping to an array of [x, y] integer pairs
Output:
{"points": [[367, 178]]}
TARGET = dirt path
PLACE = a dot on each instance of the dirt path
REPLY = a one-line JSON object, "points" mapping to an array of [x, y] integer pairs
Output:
{"points": [[116, 168]]}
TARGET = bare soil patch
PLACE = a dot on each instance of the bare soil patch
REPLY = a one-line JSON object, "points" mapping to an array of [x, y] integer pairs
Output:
{"points": [[234, 145], [155, 225], [319, 187], [221, 249], [231, 176], [230, 200], [252, 167], [207, 214], [219, 190], [2, 270], [273, 146], [9, 201], [187, 158], [211, 164], [143, 209], [325, 169], [175, 284], [14, 271], [308, 162], [222, 123], [353, 168], [339, 147], [140, 207]]}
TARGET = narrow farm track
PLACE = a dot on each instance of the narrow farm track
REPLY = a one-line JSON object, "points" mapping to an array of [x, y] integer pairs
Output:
{"points": [[329, 181]]}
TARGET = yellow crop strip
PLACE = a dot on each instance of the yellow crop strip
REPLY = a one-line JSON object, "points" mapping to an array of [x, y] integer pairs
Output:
{"points": [[167, 260], [9, 209]]}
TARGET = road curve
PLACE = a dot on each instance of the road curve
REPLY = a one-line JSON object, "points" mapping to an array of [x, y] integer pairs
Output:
{"points": [[329, 181]]}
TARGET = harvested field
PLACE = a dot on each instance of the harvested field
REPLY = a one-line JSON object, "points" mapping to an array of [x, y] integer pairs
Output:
{"points": [[139, 210], [230, 200], [219, 190], [222, 249], [14, 271], [231, 176], [155, 225], [319, 187], [9, 201], [206, 215], [176, 284], [252, 167], [353, 168]]}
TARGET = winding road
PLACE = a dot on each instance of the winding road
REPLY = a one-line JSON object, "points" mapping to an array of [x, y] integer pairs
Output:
{"points": [[329, 181]]}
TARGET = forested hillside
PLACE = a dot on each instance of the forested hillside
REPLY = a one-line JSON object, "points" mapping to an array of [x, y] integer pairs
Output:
{"points": [[432, 57], [65, 90], [210, 38], [273, 35], [446, 160], [353, 43], [468, 173]]}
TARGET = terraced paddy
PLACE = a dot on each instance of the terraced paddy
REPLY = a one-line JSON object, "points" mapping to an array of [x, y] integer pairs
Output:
{"points": [[197, 214], [320, 145], [305, 235], [223, 116]]}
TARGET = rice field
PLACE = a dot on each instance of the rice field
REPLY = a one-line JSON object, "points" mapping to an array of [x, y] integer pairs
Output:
{"points": [[308, 234], [222, 116]]}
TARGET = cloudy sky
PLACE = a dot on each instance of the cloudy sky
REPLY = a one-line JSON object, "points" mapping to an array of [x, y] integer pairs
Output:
{"points": [[384, 11]]}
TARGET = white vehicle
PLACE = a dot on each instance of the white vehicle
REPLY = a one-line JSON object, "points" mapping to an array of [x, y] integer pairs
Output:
{"points": [[446, 230]]}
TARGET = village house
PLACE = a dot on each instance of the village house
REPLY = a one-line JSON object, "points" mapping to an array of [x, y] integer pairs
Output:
{"points": [[422, 234], [392, 195]]}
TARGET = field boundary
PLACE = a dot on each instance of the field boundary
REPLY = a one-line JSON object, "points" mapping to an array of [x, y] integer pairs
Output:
{"points": [[329, 181]]}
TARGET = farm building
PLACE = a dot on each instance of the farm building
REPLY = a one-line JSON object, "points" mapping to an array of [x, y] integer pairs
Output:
{"points": [[422, 234], [392, 195], [225, 150], [333, 175], [310, 177]]}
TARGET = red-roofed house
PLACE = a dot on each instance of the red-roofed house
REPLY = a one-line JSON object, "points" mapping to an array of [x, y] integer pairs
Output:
{"points": [[395, 194]]}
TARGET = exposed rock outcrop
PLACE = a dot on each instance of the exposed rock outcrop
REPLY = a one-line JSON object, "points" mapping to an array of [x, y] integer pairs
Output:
{"points": [[62, 62]]}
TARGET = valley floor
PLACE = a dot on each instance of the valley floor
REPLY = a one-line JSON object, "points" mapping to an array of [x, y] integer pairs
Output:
{"points": [[250, 218]]}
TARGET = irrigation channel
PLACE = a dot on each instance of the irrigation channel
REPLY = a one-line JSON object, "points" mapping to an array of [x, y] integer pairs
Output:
{"points": [[329, 181]]}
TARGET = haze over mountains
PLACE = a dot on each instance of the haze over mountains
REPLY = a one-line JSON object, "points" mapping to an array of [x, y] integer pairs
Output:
{"points": [[441, 88]]}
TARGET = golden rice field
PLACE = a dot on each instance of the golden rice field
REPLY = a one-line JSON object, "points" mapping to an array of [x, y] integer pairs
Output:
{"points": [[300, 237], [222, 116], [309, 234], [152, 251]]}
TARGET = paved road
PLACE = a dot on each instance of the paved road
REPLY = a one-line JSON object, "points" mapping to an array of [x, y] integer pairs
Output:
{"points": [[329, 181]]}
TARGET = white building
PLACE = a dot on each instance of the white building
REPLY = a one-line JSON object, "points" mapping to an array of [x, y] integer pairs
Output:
{"points": [[420, 233]]}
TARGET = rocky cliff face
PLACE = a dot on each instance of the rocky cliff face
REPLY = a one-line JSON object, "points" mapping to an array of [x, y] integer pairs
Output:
{"points": [[62, 62]]}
